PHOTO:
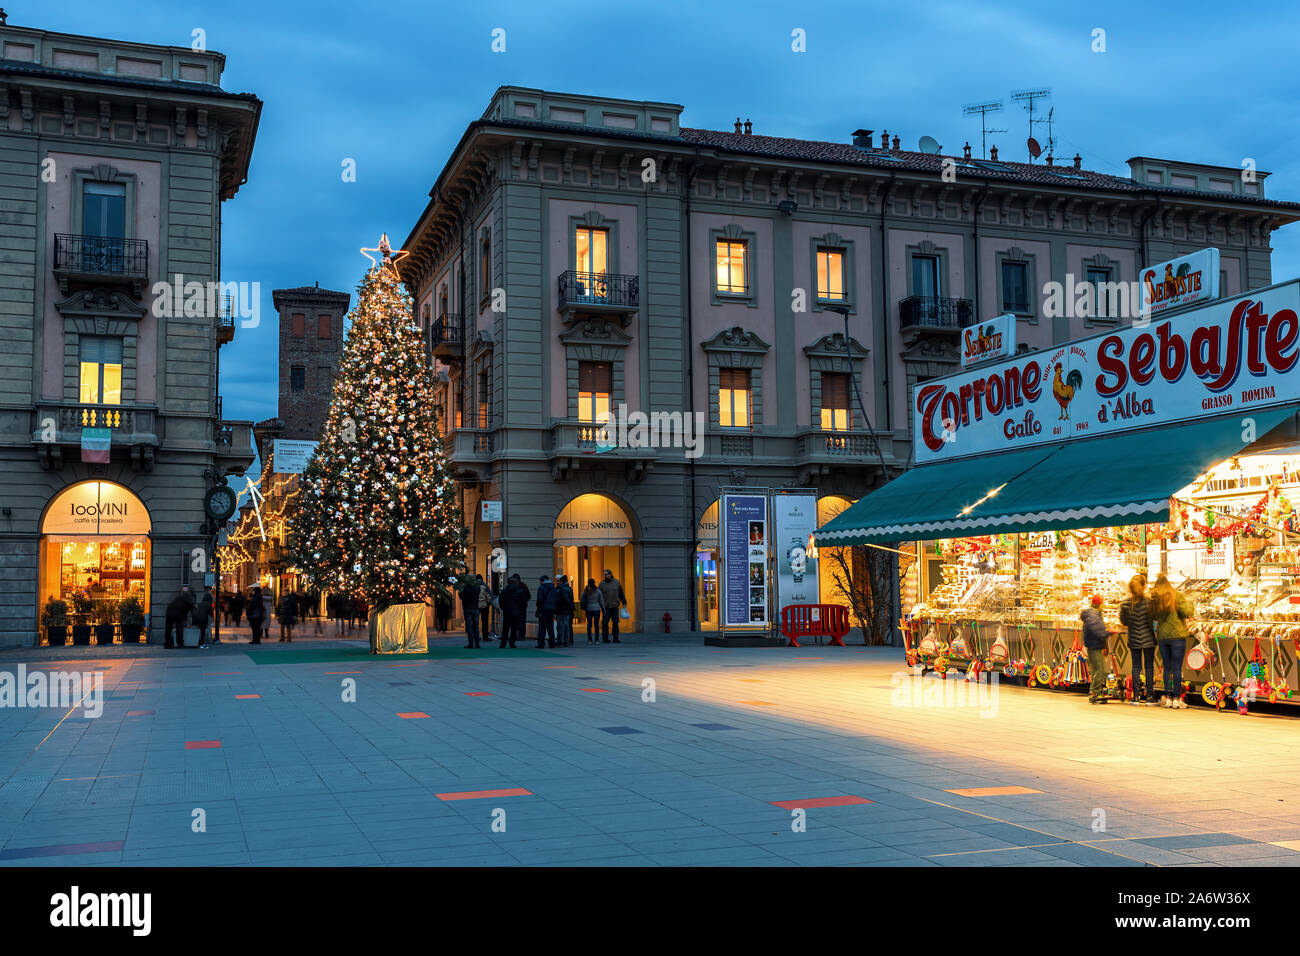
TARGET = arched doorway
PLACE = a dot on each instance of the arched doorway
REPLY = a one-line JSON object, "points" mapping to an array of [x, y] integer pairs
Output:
{"points": [[592, 533], [835, 564], [707, 559], [95, 549]]}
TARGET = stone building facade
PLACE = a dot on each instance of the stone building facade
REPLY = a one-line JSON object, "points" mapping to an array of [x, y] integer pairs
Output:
{"points": [[578, 252], [116, 157]]}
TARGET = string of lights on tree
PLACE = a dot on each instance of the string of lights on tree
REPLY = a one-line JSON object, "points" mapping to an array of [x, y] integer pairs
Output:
{"points": [[377, 514]]}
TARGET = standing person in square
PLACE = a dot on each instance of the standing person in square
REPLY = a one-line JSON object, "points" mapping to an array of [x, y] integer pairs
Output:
{"points": [[563, 612], [177, 611], [592, 608], [484, 609], [469, 592], [1096, 640], [202, 615], [287, 614], [514, 611], [1171, 610], [545, 613], [612, 598], [256, 613], [1135, 615]]}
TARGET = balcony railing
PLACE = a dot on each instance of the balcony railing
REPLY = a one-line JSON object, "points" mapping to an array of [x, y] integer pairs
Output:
{"points": [[225, 320], [933, 312], [832, 444], [99, 258], [234, 441], [114, 417], [599, 290], [445, 336]]}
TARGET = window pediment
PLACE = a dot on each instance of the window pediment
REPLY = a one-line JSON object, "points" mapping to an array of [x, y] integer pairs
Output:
{"points": [[735, 339]]}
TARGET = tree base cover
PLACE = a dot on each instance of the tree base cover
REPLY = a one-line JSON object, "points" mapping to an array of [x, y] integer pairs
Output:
{"points": [[399, 629]]}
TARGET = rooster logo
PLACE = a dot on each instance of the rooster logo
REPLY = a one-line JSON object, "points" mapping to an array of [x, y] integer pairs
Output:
{"points": [[1064, 390]]}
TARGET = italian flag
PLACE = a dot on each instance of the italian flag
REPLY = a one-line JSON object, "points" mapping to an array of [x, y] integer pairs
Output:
{"points": [[96, 444]]}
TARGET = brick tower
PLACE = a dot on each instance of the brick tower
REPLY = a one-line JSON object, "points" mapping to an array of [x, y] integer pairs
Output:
{"points": [[311, 345]]}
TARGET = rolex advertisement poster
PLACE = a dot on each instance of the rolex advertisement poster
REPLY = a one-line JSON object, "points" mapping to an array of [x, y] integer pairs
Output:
{"points": [[795, 518]]}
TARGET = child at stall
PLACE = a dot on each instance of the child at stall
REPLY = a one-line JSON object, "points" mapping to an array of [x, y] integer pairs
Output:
{"points": [[1096, 640]]}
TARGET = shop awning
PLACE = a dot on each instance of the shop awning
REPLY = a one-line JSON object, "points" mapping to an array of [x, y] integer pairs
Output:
{"points": [[1113, 480]]}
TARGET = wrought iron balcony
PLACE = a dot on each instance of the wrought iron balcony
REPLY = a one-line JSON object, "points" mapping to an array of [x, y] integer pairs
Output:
{"points": [[934, 312], [445, 336], [599, 292], [99, 259], [225, 320]]}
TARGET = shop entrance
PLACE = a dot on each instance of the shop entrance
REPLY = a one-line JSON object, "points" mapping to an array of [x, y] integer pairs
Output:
{"points": [[593, 533], [95, 553], [834, 564], [707, 560]]}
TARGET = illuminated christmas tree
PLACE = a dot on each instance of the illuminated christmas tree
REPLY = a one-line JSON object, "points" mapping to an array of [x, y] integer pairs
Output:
{"points": [[377, 514]]}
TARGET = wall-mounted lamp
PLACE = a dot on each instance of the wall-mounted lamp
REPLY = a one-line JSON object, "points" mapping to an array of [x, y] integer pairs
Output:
{"points": [[788, 207]]}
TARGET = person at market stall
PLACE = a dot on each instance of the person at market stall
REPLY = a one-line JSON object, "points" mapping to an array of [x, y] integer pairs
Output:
{"points": [[1135, 615], [1096, 640], [1170, 609]]}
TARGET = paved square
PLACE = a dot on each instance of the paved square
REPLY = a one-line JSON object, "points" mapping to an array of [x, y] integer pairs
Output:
{"points": [[296, 757]]}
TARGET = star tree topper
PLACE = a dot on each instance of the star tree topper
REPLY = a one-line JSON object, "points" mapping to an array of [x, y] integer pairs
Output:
{"points": [[387, 256]]}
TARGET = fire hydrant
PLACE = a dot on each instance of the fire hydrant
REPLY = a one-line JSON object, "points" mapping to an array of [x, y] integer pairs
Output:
{"points": [[667, 621]]}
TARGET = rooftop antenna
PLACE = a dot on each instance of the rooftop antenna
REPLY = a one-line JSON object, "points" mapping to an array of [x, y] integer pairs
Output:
{"points": [[1027, 97], [992, 106]]}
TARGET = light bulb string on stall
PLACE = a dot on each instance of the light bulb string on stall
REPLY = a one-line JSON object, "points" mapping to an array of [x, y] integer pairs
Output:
{"points": [[1223, 514]]}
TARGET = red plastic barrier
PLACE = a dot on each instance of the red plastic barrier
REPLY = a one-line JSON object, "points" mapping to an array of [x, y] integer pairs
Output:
{"points": [[815, 620]]}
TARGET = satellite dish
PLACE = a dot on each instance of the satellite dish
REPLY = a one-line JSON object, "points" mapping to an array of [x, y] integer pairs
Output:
{"points": [[929, 145], [1034, 149]]}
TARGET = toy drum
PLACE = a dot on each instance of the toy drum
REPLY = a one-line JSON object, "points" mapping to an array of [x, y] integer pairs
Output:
{"points": [[1200, 657], [928, 647], [1042, 674]]}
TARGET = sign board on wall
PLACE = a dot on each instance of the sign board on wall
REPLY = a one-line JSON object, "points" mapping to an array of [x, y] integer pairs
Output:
{"points": [[1182, 281], [988, 341], [96, 507], [794, 518], [291, 456], [1188, 560], [744, 543], [490, 511], [1230, 356]]}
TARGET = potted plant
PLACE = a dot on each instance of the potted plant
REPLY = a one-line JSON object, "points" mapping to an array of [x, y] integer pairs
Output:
{"points": [[82, 619], [130, 614], [54, 617], [105, 621]]}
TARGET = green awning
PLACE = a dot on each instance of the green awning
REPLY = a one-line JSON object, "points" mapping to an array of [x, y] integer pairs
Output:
{"points": [[1112, 480]]}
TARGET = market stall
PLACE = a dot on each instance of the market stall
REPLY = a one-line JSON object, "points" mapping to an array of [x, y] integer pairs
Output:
{"points": [[1172, 449]]}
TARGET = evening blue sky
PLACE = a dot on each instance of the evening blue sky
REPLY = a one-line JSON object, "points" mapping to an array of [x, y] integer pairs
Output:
{"points": [[393, 86]]}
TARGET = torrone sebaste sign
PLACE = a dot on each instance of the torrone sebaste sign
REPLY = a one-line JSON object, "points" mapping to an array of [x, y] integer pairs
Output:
{"points": [[1234, 355]]}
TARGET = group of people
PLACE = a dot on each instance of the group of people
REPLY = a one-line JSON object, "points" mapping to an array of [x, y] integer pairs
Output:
{"points": [[602, 604], [184, 609], [1155, 619], [345, 610]]}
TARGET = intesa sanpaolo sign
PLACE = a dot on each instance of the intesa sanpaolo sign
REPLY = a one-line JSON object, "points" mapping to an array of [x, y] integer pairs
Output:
{"points": [[1235, 354]]}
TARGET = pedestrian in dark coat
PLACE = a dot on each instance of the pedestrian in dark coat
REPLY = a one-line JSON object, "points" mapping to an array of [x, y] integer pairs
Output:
{"points": [[287, 614], [441, 609], [514, 610], [256, 612], [563, 612], [201, 616], [469, 593], [1096, 640], [177, 611], [592, 606], [1135, 615], [546, 613]]}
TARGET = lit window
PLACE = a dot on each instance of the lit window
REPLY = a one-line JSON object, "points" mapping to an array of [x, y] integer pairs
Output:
{"points": [[835, 402], [593, 250], [733, 397], [101, 370], [595, 391], [732, 261], [830, 274], [484, 399]]}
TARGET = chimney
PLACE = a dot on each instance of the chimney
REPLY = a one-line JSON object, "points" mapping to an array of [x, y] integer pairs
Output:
{"points": [[862, 137], [895, 144], [1078, 161], [884, 140], [993, 153], [749, 127], [965, 151], [737, 124]]}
